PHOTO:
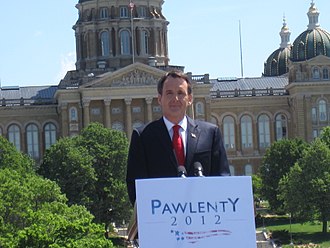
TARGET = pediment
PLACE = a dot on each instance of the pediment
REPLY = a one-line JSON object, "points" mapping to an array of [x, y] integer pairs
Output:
{"points": [[134, 75], [321, 59]]}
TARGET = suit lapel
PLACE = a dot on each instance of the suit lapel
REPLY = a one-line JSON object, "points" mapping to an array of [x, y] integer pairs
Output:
{"points": [[165, 141], [192, 139]]}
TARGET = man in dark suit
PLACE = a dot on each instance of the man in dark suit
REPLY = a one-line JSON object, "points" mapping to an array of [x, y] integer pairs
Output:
{"points": [[151, 152]]}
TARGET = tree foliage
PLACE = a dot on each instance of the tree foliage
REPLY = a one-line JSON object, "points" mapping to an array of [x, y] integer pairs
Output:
{"points": [[278, 160], [256, 185], [71, 167], [91, 169], [34, 213], [306, 189], [11, 158]]}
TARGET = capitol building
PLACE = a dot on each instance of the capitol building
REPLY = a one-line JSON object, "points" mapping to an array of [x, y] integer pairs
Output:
{"points": [[119, 62]]}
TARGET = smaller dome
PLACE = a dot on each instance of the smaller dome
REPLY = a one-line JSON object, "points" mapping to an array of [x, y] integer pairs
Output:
{"points": [[277, 63]]}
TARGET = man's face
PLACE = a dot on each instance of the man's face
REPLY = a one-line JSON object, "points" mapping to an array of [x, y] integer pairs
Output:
{"points": [[174, 99]]}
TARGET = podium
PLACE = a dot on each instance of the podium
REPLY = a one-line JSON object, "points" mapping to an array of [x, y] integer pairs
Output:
{"points": [[194, 212]]}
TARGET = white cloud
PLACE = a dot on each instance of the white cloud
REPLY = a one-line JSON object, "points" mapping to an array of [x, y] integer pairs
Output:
{"points": [[67, 64]]}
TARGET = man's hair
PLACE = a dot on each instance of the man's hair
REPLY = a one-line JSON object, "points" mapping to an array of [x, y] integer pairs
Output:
{"points": [[173, 74]]}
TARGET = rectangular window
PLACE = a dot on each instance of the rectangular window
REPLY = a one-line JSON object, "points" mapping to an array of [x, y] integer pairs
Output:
{"points": [[104, 13], [136, 109], [116, 110], [142, 11], [123, 12]]}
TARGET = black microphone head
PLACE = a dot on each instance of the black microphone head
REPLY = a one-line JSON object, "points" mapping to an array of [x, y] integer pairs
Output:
{"points": [[182, 171], [198, 169]]}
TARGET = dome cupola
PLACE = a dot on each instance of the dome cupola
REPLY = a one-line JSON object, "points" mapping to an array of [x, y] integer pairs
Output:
{"points": [[277, 62], [312, 42]]}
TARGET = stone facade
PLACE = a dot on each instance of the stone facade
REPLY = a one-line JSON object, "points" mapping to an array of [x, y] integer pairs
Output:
{"points": [[251, 112]]}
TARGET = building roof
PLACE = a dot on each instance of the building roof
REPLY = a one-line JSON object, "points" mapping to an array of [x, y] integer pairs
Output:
{"points": [[28, 92], [249, 83]]}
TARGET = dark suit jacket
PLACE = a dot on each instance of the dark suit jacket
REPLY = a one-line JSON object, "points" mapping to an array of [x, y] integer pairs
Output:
{"points": [[151, 154]]}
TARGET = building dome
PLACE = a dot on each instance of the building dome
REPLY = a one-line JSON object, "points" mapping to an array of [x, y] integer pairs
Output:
{"points": [[277, 62], [312, 42]]}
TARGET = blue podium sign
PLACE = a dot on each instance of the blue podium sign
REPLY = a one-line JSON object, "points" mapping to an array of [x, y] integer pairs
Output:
{"points": [[195, 212]]}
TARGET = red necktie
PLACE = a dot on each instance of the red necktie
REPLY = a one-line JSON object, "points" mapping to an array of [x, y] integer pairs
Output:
{"points": [[178, 145]]}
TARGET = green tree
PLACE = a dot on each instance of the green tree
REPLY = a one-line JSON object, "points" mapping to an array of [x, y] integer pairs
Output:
{"points": [[71, 167], [11, 158], [109, 150], [91, 169], [256, 185], [33, 211], [306, 189], [34, 214], [278, 160], [58, 225]]}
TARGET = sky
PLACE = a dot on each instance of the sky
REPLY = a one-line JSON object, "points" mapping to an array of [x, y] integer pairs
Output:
{"points": [[37, 43]]}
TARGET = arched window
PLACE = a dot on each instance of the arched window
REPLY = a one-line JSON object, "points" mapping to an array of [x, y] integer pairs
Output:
{"points": [[32, 140], [322, 110], [316, 73], [199, 108], [229, 132], [280, 127], [50, 134], [314, 114], [103, 13], [73, 114], [248, 170], [105, 46], [14, 136], [246, 131], [264, 131], [0, 131], [325, 74], [144, 42], [125, 42]]}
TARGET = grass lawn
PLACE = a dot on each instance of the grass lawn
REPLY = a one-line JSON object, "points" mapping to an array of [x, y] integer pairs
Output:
{"points": [[301, 233]]}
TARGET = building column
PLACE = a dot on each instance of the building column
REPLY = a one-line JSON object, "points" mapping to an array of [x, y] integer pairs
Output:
{"points": [[64, 118], [107, 110], [149, 108], [255, 136], [238, 135], [272, 127], [308, 118], [86, 103], [128, 102], [117, 40], [207, 107]]}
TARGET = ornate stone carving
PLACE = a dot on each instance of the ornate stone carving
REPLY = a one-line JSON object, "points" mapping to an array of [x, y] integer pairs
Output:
{"points": [[135, 77]]}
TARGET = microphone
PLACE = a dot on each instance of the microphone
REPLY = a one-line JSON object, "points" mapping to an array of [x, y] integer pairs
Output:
{"points": [[198, 169], [182, 171]]}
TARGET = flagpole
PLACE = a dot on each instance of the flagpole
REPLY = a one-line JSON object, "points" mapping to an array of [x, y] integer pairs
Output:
{"points": [[241, 50], [131, 5]]}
